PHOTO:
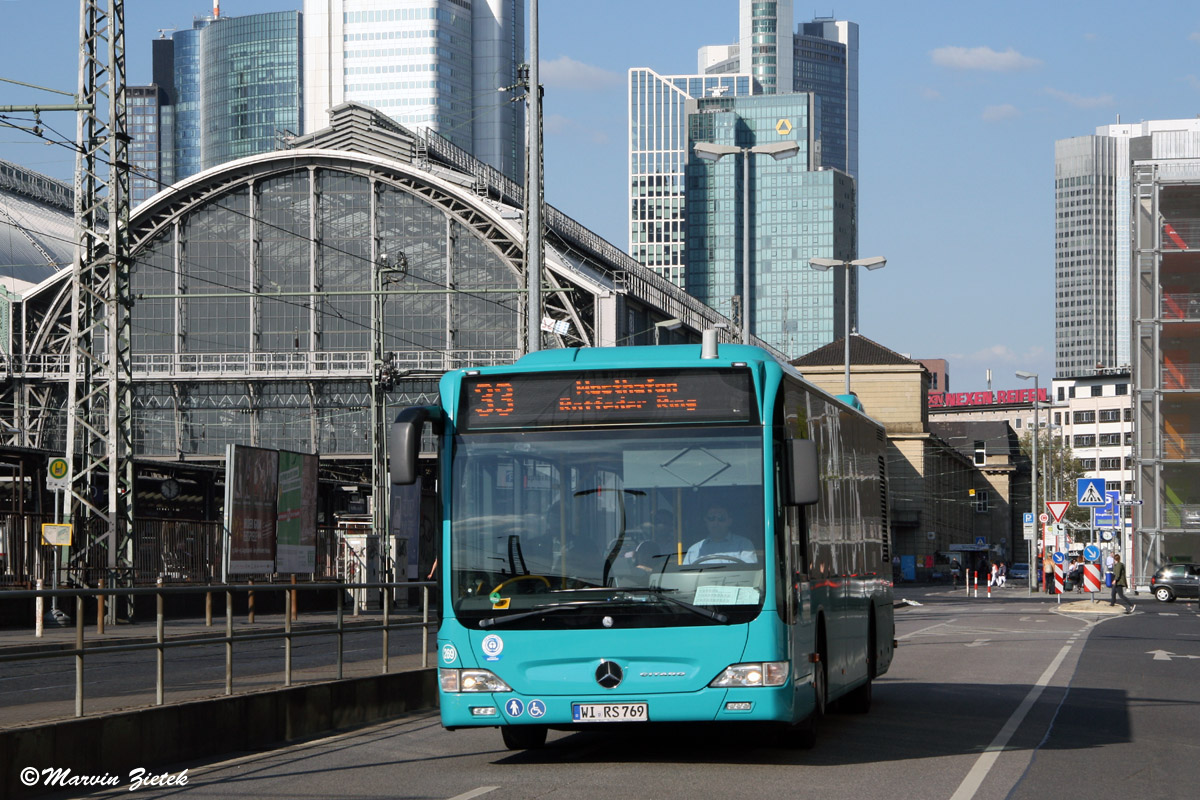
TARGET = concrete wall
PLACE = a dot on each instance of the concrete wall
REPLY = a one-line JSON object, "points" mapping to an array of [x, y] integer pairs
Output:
{"points": [[114, 744]]}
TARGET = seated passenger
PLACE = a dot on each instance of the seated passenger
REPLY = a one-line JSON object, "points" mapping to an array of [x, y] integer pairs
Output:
{"points": [[721, 541]]}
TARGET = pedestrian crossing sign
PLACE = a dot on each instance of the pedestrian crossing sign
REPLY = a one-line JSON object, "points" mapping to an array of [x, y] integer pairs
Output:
{"points": [[1090, 492]]}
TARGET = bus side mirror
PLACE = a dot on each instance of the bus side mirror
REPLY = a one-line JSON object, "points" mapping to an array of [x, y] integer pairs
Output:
{"points": [[404, 443], [804, 484]]}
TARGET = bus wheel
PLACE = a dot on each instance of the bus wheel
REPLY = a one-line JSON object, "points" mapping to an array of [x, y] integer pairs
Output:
{"points": [[858, 701], [523, 737], [804, 735]]}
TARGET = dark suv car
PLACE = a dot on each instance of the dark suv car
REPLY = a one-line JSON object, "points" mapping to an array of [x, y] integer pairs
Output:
{"points": [[1176, 580]]}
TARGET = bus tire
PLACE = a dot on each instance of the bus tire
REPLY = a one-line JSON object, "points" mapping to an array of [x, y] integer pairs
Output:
{"points": [[523, 737], [805, 734], [858, 700]]}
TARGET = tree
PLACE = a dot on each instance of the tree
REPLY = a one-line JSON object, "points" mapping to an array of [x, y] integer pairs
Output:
{"points": [[1061, 468]]}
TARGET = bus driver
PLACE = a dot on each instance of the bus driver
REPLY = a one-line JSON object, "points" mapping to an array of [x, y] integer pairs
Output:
{"points": [[720, 541]]}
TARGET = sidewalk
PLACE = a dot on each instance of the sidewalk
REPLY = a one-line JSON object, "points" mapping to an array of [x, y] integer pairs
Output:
{"points": [[1073, 602]]}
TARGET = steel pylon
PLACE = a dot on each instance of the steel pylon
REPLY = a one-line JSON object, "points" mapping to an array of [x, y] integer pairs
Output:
{"points": [[100, 396]]}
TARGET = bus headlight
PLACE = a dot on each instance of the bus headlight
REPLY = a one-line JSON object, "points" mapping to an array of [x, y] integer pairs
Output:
{"points": [[471, 680], [763, 673]]}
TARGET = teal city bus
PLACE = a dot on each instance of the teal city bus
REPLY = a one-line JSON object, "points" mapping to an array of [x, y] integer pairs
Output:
{"points": [[643, 535]]}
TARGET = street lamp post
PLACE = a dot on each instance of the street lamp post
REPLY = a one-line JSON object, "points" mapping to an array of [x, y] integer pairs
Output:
{"points": [[823, 264], [669, 324], [1033, 467], [714, 152]]}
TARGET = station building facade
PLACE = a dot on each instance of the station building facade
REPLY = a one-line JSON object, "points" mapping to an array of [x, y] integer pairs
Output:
{"points": [[287, 299]]}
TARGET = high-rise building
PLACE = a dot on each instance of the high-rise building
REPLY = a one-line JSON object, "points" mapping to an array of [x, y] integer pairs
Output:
{"points": [[225, 88], [1092, 277], [823, 59], [1165, 313], [796, 213], [658, 157], [439, 65], [826, 64], [146, 131], [765, 33]]}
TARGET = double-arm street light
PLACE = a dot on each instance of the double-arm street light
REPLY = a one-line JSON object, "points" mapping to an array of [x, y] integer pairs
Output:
{"points": [[823, 264], [714, 152], [1033, 501]]}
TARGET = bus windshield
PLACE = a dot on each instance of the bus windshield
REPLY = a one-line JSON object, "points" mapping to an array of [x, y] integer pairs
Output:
{"points": [[657, 526]]}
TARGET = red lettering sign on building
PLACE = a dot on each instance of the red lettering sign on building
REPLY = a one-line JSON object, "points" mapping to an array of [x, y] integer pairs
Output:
{"points": [[1001, 398]]}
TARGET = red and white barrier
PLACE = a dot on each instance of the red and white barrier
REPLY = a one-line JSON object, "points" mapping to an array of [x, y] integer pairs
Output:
{"points": [[1058, 579], [1091, 577]]}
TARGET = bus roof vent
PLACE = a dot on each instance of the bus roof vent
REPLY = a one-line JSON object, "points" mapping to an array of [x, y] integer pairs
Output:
{"points": [[708, 346]]}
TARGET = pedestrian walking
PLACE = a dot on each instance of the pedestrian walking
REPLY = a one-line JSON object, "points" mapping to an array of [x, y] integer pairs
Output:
{"points": [[1119, 583]]}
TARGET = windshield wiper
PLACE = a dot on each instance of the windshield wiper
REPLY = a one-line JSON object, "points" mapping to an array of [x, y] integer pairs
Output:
{"points": [[662, 595], [550, 609]]}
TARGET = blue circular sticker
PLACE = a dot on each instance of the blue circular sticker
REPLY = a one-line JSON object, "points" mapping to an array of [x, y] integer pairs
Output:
{"points": [[514, 707], [449, 653], [537, 709], [492, 646]]}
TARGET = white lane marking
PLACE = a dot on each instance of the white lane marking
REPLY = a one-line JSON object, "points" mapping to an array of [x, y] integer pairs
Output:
{"points": [[1167, 614], [923, 630], [979, 643], [475, 793], [983, 764]]}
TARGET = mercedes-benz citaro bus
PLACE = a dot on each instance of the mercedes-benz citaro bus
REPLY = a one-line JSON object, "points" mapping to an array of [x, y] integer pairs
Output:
{"points": [[643, 535]]}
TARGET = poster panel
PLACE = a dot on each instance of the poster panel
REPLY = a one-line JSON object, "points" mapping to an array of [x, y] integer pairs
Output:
{"points": [[296, 526], [251, 509]]}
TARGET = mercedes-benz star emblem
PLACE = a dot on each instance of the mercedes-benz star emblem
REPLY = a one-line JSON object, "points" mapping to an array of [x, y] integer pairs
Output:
{"points": [[609, 674]]}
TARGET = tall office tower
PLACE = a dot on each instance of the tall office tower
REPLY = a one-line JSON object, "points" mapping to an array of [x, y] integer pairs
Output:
{"points": [[823, 59], [144, 108], [826, 63], [796, 213], [228, 87], [1092, 246], [658, 157], [427, 64], [765, 32], [1165, 312]]}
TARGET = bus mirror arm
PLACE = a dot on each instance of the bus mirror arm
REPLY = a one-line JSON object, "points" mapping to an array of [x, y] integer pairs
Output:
{"points": [[404, 442], [804, 485]]}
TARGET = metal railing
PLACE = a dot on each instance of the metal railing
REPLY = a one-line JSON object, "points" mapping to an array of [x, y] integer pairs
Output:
{"points": [[161, 644]]}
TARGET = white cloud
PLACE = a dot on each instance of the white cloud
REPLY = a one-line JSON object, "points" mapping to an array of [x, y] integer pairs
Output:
{"points": [[982, 58], [1000, 113], [1079, 101], [565, 72]]}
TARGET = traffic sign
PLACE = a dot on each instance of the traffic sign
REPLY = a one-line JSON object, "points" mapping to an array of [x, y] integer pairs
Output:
{"points": [[1091, 553], [1059, 558], [1043, 518], [56, 474], [1108, 515], [980, 540], [1090, 492], [1058, 508]]}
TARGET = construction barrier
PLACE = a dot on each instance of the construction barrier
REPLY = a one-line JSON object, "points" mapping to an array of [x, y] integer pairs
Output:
{"points": [[1091, 577], [1058, 579]]}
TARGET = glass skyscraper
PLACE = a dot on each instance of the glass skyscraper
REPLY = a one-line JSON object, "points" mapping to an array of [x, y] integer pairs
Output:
{"points": [[826, 63], [228, 87], [658, 157], [797, 213], [428, 64], [1092, 246]]}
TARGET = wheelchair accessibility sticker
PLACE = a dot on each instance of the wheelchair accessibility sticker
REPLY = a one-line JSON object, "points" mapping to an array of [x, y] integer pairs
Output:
{"points": [[492, 646], [537, 709]]}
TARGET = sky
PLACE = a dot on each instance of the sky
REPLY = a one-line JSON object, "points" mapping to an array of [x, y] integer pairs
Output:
{"points": [[960, 105]]}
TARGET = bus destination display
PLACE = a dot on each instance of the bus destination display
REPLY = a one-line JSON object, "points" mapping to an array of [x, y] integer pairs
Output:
{"points": [[607, 398]]}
